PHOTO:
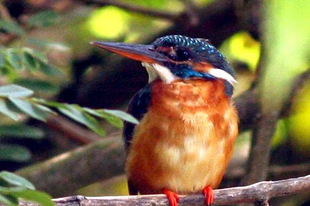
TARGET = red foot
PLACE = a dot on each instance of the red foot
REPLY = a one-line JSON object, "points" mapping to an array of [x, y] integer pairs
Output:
{"points": [[209, 195], [172, 197]]}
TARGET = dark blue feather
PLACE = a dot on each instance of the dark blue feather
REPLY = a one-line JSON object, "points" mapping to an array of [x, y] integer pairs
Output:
{"points": [[137, 107]]}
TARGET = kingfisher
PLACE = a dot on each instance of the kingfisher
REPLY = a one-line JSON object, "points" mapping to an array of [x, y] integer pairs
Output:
{"points": [[187, 121]]}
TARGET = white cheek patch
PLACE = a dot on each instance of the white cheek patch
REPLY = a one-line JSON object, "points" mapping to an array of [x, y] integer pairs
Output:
{"points": [[221, 74], [151, 72], [156, 70]]}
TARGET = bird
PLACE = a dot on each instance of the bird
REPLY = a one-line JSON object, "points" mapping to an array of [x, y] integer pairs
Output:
{"points": [[188, 123]]}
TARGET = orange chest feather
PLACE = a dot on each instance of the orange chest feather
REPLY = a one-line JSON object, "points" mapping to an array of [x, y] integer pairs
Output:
{"points": [[185, 140]]}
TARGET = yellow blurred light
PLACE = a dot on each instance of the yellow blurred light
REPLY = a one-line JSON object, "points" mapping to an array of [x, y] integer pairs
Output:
{"points": [[108, 22], [280, 134], [299, 122], [244, 48]]}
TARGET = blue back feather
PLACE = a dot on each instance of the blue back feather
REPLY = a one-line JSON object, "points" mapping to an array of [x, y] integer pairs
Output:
{"points": [[137, 107]]}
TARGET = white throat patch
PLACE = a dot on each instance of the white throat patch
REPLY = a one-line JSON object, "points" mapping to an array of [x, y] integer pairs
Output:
{"points": [[155, 70]]}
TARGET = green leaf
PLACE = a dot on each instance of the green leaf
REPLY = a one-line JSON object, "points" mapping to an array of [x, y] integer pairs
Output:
{"points": [[4, 109], [38, 102], [2, 60], [8, 189], [37, 85], [14, 153], [122, 115], [19, 130], [13, 90], [48, 103], [76, 112], [45, 109], [38, 42], [34, 196], [8, 200], [36, 54], [16, 180], [11, 27], [14, 59], [29, 62], [110, 118], [48, 69], [28, 108], [45, 19], [158, 4], [4, 183]]}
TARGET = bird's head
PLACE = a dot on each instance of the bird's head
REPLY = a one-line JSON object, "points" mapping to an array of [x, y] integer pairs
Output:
{"points": [[177, 57]]}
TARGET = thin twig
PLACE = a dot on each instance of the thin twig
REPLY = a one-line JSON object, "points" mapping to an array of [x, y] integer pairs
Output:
{"points": [[5, 14], [138, 9], [259, 192], [72, 130], [6, 38], [275, 172], [191, 13], [298, 85]]}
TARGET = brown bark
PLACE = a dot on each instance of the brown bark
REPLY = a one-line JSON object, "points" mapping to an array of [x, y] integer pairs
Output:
{"points": [[257, 193]]}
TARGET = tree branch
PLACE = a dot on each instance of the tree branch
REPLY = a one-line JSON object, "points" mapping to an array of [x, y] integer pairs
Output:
{"points": [[259, 192], [5, 14], [102, 160], [70, 171], [138, 9], [6, 38], [275, 172], [190, 13], [72, 130], [258, 161]]}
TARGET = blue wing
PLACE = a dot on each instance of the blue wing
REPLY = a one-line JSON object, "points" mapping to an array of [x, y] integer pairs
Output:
{"points": [[138, 106]]}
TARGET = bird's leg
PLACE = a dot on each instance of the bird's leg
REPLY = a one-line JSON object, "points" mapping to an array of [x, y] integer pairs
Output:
{"points": [[172, 197], [209, 195]]}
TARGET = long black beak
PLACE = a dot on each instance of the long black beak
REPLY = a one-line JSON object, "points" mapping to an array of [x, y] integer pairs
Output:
{"points": [[140, 52]]}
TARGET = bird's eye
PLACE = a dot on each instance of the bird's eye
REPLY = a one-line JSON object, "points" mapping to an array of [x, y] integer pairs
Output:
{"points": [[183, 55]]}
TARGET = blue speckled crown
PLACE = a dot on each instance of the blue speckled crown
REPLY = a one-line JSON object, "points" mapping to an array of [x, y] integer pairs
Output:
{"points": [[200, 48], [184, 41]]}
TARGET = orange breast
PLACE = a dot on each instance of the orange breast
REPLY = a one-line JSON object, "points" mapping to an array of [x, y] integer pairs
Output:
{"points": [[185, 140]]}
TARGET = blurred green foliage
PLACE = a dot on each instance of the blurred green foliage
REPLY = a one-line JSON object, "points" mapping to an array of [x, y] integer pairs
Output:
{"points": [[23, 70], [13, 187], [16, 60], [299, 122], [28, 64], [114, 186], [16, 100], [27, 69], [287, 43]]}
